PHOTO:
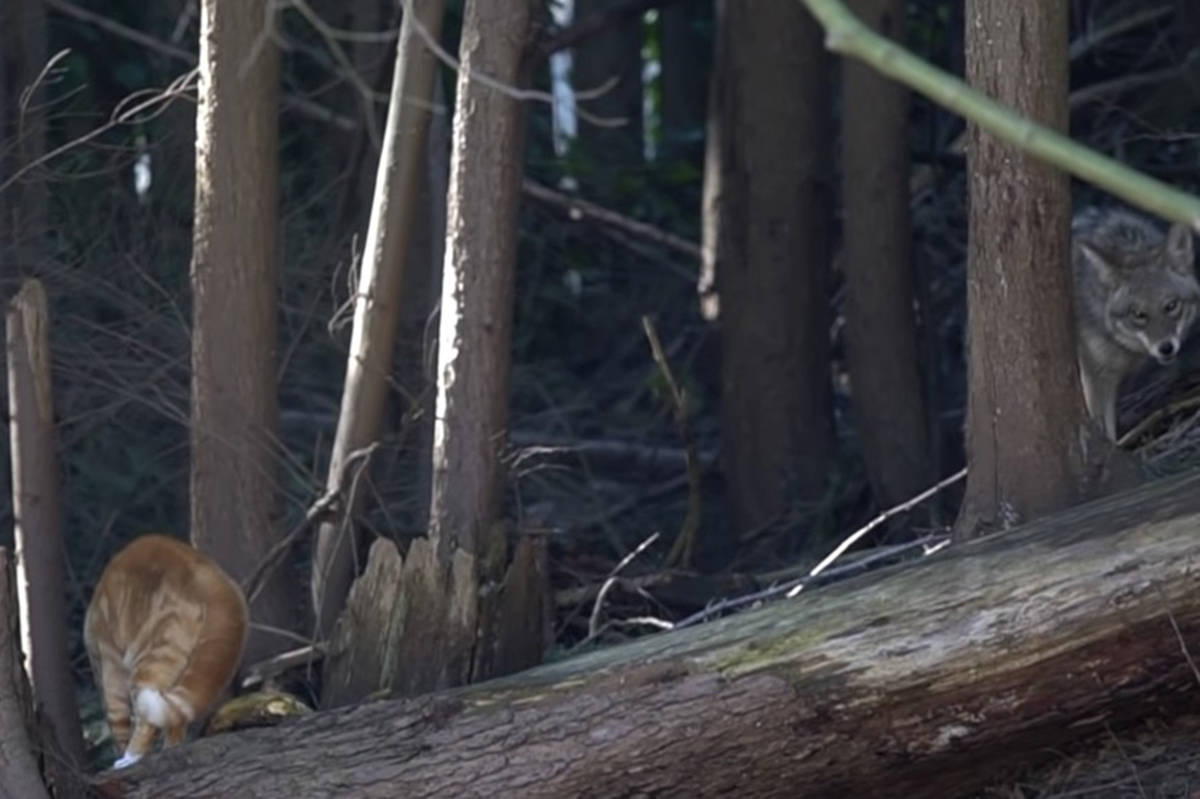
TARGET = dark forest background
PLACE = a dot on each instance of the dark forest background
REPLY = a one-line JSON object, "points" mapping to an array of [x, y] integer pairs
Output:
{"points": [[596, 460]]}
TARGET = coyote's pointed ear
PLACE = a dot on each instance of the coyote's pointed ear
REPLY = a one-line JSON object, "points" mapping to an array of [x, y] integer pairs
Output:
{"points": [[1099, 262], [1180, 254]]}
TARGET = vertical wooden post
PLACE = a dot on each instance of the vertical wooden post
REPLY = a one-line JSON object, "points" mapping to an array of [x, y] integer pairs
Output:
{"points": [[41, 555]]}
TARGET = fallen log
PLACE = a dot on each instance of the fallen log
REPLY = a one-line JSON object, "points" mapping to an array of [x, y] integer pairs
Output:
{"points": [[919, 680]]}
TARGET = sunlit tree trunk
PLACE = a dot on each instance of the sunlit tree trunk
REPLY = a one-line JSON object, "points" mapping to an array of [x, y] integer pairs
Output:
{"points": [[234, 492], [401, 168]]}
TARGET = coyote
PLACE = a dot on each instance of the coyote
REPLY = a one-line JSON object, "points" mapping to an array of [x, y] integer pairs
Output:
{"points": [[1136, 295], [164, 633]]}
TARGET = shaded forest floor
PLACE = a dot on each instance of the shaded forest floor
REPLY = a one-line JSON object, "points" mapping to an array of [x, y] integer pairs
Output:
{"points": [[1153, 761]]}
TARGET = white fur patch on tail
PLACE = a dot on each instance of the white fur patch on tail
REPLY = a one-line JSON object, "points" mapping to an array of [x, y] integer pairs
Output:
{"points": [[155, 707], [151, 706]]}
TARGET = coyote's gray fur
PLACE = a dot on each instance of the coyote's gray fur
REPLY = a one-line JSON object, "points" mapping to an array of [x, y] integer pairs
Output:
{"points": [[1136, 295]]}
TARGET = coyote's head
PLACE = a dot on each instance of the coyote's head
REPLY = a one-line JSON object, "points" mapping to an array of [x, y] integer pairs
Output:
{"points": [[1152, 292]]}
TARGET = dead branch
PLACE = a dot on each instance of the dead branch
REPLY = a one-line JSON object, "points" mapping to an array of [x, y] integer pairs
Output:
{"points": [[681, 551], [594, 619], [327, 506], [578, 209], [267, 670]]}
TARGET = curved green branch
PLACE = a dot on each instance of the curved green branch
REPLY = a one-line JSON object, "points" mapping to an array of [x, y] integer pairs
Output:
{"points": [[845, 34]]}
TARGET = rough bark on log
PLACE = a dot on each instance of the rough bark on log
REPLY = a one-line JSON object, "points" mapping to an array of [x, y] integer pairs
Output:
{"points": [[916, 681]]}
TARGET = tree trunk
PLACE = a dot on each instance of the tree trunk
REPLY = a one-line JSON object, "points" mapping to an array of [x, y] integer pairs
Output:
{"points": [[1025, 415], [234, 501], [881, 334], [41, 552], [920, 681], [613, 54], [469, 545], [19, 775], [686, 65], [767, 214], [377, 303]]}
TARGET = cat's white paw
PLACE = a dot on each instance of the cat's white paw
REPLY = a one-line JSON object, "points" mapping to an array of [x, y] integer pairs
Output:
{"points": [[126, 760]]}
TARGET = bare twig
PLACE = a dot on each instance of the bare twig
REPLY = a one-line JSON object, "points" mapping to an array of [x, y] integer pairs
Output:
{"points": [[1154, 418], [681, 551], [330, 35], [327, 505], [1093, 36], [929, 544], [264, 670], [878, 520], [512, 91], [123, 31], [594, 619], [1187, 655], [848, 36], [301, 104], [577, 209]]}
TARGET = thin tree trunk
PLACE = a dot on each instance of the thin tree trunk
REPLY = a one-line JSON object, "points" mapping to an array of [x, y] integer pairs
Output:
{"points": [[475, 339], [1025, 426], [41, 552], [19, 775], [767, 215], [234, 498], [919, 682], [881, 333], [613, 54], [378, 300]]}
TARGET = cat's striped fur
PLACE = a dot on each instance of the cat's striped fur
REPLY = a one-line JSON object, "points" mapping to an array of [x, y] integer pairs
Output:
{"points": [[165, 631]]}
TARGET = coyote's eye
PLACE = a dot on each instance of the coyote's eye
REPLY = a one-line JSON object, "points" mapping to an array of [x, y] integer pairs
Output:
{"points": [[1171, 307], [1138, 317]]}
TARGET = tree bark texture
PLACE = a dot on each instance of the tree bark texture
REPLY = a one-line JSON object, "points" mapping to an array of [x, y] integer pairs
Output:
{"points": [[881, 333], [919, 681], [475, 325], [19, 775], [378, 298], [1025, 412], [40, 550], [234, 481], [469, 544], [385, 638], [22, 130], [767, 213], [613, 54]]}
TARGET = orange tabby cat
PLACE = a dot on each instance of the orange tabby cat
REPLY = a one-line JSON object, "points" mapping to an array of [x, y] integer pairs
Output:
{"points": [[164, 632]]}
